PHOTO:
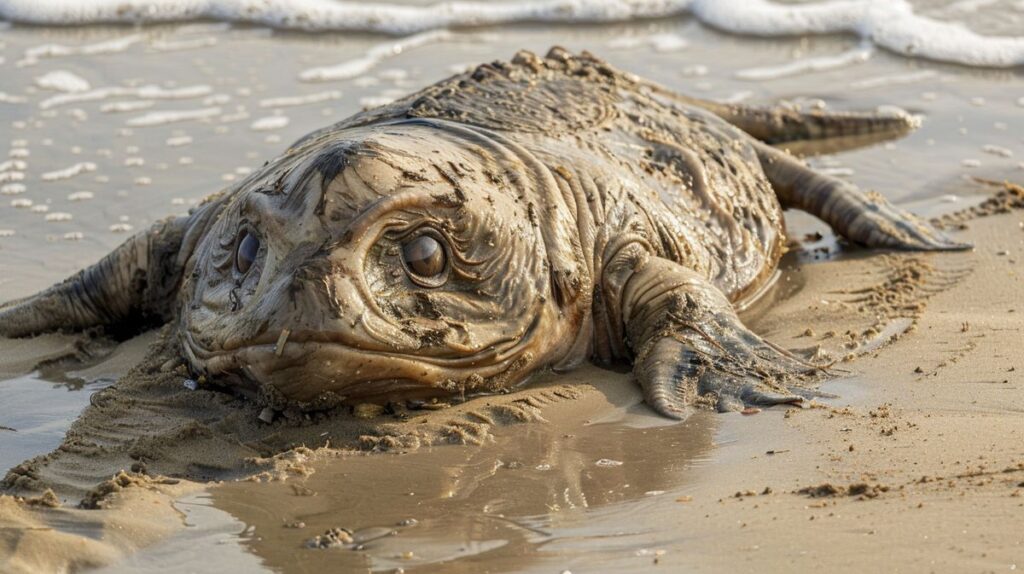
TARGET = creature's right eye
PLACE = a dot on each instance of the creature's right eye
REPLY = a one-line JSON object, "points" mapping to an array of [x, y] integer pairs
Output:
{"points": [[248, 247]]}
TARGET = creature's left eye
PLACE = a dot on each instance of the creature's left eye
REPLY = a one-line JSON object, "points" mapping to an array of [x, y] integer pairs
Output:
{"points": [[246, 252], [425, 261]]}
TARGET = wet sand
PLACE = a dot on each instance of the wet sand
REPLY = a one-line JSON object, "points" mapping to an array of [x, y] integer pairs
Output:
{"points": [[920, 446]]}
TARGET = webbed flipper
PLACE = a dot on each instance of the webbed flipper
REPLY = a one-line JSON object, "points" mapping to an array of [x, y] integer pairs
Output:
{"points": [[690, 348], [802, 132], [129, 289], [867, 219]]}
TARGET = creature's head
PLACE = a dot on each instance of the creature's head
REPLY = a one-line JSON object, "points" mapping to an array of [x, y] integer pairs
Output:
{"points": [[405, 260]]}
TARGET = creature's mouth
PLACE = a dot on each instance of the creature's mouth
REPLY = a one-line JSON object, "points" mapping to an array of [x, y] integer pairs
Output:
{"points": [[315, 368]]}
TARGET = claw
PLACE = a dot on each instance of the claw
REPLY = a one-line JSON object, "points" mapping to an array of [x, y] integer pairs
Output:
{"points": [[742, 371], [758, 398], [910, 232]]}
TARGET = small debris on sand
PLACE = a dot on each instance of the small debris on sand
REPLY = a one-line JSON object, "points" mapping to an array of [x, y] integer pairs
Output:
{"points": [[267, 415], [367, 411], [332, 538]]}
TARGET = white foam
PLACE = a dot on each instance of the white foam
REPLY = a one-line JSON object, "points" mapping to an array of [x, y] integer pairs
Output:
{"points": [[377, 54], [891, 24], [69, 172], [12, 189], [11, 99], [695, 71], [737, 97], [129, 106], [216, 99], [32, 55], [239, 115], [269, 123], [203, 28], [147, 92], [393, 75], [171, 116], [857, 55], [80, 196], [178, 141], [289, 101], [368, 102], [62, 81], [158, 93], [13, 164], [894, 79], [187, 44], [997, 150], [335, 15], [667, 42], [58, 216]]}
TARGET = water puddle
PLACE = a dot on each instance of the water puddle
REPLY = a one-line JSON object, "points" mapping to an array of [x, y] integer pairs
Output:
{"points": [[539, 494], [45, 386], [209, 542], [36, 412]]}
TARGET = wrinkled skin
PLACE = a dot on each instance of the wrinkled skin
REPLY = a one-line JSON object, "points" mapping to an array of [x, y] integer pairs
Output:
{"points": [[524, 216]]}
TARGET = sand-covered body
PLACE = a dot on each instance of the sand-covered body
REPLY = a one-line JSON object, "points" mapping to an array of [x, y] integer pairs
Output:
{"points": [[519, 217]]}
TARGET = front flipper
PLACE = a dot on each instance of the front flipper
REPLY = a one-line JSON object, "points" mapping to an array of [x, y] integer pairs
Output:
{"points": [[690, 349], [130, 288], [867, 219]]}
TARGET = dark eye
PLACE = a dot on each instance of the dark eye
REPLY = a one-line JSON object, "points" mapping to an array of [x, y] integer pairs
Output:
{"points": [[425, 260], [246, 252]]}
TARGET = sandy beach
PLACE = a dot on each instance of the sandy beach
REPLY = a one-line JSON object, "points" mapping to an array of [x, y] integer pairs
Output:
{"points": [[911, 461]]}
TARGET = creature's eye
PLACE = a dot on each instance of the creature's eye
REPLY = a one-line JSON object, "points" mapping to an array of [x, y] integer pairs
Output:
{"points": [[248, 247], [425, 261]]}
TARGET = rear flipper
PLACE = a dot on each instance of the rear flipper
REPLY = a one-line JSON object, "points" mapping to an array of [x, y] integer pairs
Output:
{"points": [[690, 349], [816, 130], [803, 132], [867, 219]]}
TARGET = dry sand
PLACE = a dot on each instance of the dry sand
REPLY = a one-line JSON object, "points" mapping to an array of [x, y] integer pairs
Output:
{"points": [[916, 464]]}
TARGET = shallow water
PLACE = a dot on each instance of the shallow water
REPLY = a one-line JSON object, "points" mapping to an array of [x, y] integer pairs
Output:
{"points": [[533, 498], [189, 113]]}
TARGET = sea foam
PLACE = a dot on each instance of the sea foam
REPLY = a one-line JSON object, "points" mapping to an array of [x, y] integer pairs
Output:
{"points": [[890, 24]]}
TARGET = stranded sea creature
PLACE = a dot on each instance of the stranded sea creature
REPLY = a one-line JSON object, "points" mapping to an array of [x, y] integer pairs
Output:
{"points": [[522, 216]]}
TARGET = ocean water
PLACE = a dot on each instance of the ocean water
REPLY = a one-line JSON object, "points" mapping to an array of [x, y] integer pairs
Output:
{"points": [[895, 25]]}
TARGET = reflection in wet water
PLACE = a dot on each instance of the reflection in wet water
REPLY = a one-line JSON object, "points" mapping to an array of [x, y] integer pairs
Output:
{"points": [[209, 543], [539, 494], [35, 413], [46, 382]]}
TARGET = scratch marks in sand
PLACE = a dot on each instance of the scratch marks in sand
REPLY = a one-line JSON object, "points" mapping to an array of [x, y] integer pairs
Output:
{"points": [[887, 307]]}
